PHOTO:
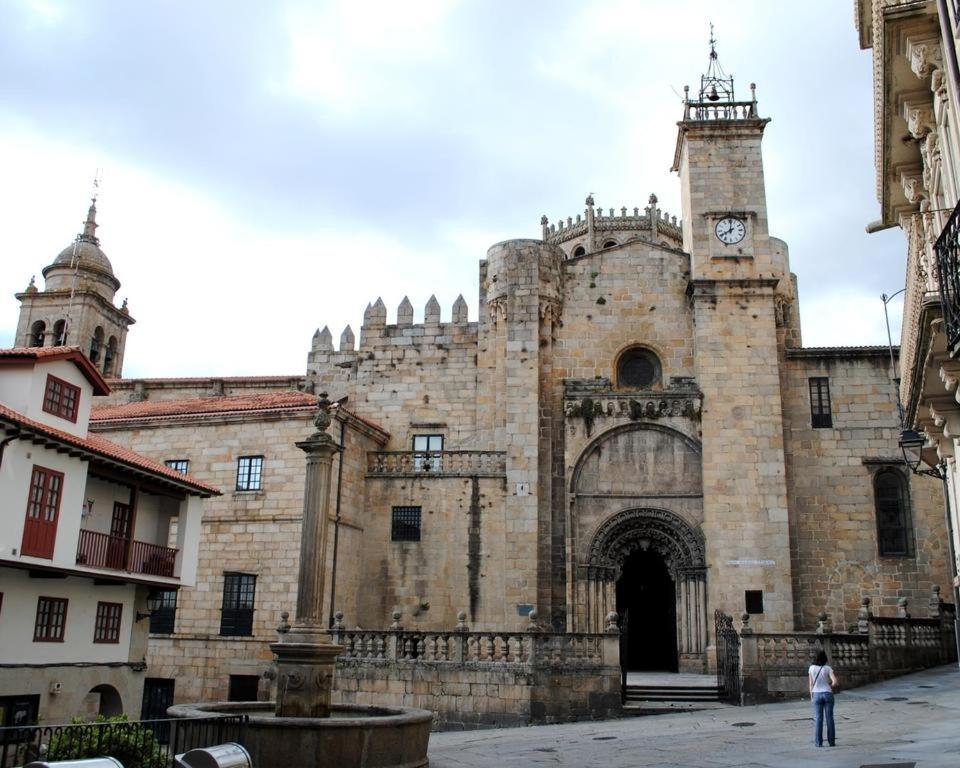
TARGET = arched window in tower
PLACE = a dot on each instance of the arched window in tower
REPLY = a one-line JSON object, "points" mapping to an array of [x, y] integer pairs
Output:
{"points": [[96, 344], [609, 243], [60, 333], [38, 332], [638, 368], [110, 356], [894, 524], [579, 251]]}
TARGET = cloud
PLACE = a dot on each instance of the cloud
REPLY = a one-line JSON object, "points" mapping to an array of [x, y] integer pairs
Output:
{"points": [[298, 159]]}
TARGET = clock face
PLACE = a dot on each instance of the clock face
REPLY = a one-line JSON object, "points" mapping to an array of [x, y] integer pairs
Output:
{"points": [[731, 230]]}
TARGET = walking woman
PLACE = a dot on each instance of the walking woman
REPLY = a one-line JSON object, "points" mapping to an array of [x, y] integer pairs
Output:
{"points": [[822, 680]]}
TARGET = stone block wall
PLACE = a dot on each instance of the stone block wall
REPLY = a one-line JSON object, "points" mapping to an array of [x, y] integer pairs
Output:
{"points": [[830, 471], [251, 532]]}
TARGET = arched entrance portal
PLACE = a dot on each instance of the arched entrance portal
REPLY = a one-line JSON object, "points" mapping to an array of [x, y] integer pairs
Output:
{"points": [[649, 565], [647, 604]]}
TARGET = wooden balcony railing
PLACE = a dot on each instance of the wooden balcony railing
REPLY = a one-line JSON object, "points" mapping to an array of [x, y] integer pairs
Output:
{"points": [[947, 249], [101, 550]]}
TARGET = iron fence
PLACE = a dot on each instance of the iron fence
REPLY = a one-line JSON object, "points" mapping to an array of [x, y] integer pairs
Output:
{"points": [[948, 271], [135, 743], [728, 658]]}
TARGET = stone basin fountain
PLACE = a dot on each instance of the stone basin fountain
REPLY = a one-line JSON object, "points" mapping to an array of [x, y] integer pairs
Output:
{"points": [[302, 728]]}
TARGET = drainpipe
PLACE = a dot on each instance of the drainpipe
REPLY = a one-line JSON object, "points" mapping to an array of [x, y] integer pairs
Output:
{"points": [[336, 521]]}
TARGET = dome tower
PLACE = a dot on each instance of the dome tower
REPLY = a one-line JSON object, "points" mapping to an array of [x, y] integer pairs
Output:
{"points": [[76, 306]]}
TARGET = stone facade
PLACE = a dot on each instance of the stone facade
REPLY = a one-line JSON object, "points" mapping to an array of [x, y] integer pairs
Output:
{"points": [[627, 426]]}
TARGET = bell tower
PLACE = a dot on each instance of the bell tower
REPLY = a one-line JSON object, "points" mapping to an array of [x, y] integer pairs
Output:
{"points": [[736, 275], [76, 307]]}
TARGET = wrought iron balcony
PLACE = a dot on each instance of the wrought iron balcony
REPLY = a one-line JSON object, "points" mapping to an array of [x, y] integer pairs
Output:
{"points": [[947, 249], [101, 550]]}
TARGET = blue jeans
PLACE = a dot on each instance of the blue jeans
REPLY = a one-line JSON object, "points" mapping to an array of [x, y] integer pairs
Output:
{"points": [[823, 705]]}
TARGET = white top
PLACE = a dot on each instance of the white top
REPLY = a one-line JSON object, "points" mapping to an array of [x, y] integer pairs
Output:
{"points": [[822, 684]]}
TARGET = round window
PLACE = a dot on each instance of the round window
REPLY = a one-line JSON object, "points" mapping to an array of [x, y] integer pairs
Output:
{"points": [[638, 369]]}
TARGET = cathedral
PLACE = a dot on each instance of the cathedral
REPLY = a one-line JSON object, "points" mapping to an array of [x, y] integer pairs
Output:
{"points": [[631, 424]]}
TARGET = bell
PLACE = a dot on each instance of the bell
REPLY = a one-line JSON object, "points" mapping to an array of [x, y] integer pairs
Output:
{"points": [[713, 95]]}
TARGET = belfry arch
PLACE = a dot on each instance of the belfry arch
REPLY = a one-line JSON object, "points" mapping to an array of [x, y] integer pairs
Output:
{"points": [[636, 506]]}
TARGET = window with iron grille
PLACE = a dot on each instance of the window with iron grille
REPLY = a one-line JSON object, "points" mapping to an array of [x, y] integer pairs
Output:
{"points": [[163, 618], [427, 453], [236, 615], [106, 628], [249, 473], [51, 620], [894, 526], [820, 414], [405, 525], [61, 398], [178, 465]]}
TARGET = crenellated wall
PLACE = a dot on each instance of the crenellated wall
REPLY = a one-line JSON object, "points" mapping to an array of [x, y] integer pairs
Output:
{"points": [[411, 378]]}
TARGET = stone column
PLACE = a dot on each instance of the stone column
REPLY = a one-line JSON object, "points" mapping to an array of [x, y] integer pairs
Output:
{"points": [[305, 654]]}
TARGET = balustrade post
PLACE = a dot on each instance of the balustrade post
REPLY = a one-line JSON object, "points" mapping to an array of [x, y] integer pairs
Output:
{"points": [[337, 629], [864, 616], [753, 682], [610, 645], [902, 611], [936, 604], [824, 625], [395, 649], [533, 629], [460, 638]]}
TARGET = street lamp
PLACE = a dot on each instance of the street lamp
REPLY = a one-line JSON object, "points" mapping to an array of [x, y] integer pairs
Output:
{"points": [[154, 603]]}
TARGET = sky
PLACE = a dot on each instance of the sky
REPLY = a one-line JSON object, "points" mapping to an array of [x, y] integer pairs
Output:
{"points": [[269, 168]]}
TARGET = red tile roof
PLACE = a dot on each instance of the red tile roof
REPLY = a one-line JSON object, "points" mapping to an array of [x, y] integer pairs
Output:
{"points": [[181, 410], [95, 447], [14, 355], [167, 409]]}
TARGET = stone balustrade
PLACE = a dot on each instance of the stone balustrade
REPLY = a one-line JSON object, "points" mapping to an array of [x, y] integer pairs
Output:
{"points": [[727, 110], [774, 665], [513, 678], [472, 647], [436, 464]]}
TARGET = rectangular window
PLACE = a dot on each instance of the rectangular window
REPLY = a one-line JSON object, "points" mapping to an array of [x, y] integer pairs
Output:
{"points": [[427, 453], [820, 414], [51, 620], [405, 525], [106, 628], [17, 711], [753, 601], [163, 618], [61, 398], [236, 615], [43, 512], [243, 687], [178, 465], [249, 473]]}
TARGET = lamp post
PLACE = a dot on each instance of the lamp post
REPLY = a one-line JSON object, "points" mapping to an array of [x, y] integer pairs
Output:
{"points": [[893, 365], [912, 444]]}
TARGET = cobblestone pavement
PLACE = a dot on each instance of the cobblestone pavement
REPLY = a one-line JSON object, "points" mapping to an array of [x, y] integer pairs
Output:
{"points": [[912, 720]]}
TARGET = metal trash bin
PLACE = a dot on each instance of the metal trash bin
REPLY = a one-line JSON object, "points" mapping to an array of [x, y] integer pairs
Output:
{"points": [[90, 762], [229, 755]]}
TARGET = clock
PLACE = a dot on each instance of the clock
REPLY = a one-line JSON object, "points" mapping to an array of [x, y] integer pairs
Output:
{"points": [[731, 230]]}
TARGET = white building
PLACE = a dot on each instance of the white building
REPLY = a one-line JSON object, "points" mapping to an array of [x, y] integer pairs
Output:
{"points": [[90, 531]]}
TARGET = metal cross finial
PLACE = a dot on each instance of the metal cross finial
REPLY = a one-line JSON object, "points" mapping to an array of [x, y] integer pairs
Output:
{"points": [[713, 42]]}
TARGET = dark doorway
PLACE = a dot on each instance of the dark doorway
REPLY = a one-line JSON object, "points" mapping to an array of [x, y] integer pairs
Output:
{"points": [[647, 599]]}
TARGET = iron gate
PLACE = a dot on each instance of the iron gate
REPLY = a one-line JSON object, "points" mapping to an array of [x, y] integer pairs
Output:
{"points": [[728, 658]]}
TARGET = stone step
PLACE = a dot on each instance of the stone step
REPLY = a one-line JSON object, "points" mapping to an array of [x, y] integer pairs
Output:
{"points": [[663, 693]]}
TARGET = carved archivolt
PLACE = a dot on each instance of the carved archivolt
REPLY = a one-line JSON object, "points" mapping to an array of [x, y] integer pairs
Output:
{"points": [[664, 532]]}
